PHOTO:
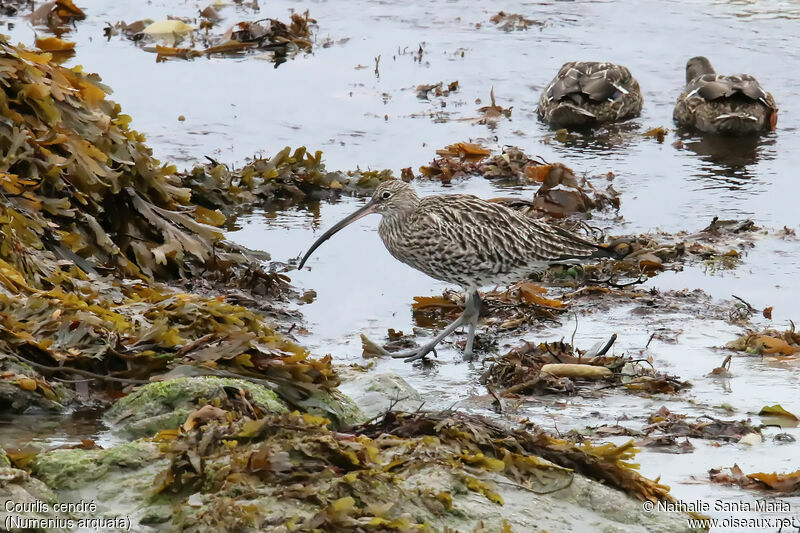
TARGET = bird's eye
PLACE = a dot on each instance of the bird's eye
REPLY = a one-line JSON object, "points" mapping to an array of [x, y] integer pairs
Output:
{"points": [[386, 194]]}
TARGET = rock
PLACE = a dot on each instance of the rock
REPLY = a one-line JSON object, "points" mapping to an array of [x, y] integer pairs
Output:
{"points": [[19, 487], [375, 393], [74, 468], [17, 399], [166, 404], [583, 505], [120, 480], [336, 406]]}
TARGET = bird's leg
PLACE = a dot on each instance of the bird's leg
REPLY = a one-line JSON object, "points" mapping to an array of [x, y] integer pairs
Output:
{"points": [[474, 307], [470, 316], [420, 353]]}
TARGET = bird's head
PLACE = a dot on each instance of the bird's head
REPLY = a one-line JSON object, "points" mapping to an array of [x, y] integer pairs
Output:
{"points": [[391, 198], [698, 66], [394, 197]]}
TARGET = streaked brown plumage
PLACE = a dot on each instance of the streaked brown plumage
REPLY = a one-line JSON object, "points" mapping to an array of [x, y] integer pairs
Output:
{"points": [[732, 105], [588, 93], [465, 240]]}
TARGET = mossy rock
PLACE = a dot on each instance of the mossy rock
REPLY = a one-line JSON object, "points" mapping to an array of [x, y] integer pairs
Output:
{"points": [[121, 480], [71, 469], [166, 404], [336, 406]]}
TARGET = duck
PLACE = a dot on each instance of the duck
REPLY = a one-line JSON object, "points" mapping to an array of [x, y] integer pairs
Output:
{"points": [[725, 105], [590, 93]]}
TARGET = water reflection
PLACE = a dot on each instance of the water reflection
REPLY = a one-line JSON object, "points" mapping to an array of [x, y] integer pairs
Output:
{"points": [[726, 162], [602, 139], [310, 209], [51, 429]]}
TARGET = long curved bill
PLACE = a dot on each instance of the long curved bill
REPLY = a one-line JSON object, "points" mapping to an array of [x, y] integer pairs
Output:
{"points": [[364, 211]]}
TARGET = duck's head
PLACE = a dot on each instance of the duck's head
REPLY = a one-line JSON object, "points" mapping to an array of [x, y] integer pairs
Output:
{"points": [[391, 198], [698, 66]]}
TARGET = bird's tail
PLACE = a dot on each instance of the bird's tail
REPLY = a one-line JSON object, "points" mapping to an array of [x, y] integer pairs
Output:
{"points": [[602, 251], [568, 114], [737, 116], [579, 248], [738, 122]]}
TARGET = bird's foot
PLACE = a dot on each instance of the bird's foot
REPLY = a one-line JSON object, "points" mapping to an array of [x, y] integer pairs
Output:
{"points": [[414, 355], [373, 348]]}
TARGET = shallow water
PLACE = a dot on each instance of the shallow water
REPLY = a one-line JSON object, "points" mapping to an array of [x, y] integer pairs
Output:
{"points": [[36, 431], [235, 108]]}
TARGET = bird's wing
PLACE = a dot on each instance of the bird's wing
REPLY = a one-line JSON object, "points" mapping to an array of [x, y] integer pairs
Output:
{"points": [[714, 87], [599, 82], [483, 233]]}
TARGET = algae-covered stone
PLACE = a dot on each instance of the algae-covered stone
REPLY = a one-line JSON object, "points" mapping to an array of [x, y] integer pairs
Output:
{"points": [[166, 404], [118, 480], [338, 407], [71, 469], [156, 514]]}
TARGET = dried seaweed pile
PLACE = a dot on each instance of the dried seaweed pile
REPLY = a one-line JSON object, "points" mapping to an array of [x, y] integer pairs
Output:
{"points": [[286, 178], [768, 342], [664, 428], [514, 21], [607, 463], [788, 483], [508, 307], [560, 194], [375, 477], [131, 332], [677, 425], [90, 225], [55, 16], [180, 38], [557, 368], [719, 246], [462, 160]]}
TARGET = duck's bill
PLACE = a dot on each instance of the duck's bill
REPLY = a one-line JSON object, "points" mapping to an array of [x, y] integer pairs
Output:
{"points": [[364, 211]]}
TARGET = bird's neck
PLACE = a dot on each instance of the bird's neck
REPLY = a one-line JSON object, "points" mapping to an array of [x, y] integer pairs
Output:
{"points": [[697, 70], [394, 221], [397, 216]]}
